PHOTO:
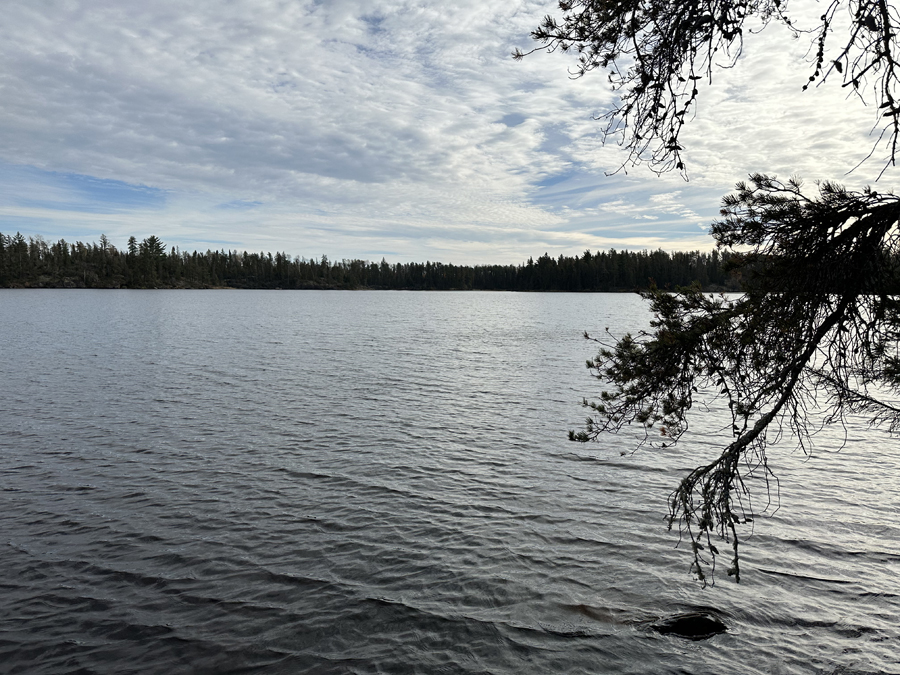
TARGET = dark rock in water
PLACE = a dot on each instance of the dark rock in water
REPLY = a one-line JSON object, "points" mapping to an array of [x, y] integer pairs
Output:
{"points": [[692, 626]]}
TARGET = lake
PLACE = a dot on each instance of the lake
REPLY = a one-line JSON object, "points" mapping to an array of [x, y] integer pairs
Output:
{"points": [[380, 482]]}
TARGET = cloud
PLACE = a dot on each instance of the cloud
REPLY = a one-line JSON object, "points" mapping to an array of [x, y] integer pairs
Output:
{"points": [[757, 117], [367, 125]]}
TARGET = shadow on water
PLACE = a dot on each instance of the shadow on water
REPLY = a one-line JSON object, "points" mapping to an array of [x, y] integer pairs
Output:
{"points": [[700, 623]]}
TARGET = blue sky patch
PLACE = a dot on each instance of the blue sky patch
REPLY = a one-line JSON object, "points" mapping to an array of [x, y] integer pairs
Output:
{"points": [[513, 119], [30, 187]]}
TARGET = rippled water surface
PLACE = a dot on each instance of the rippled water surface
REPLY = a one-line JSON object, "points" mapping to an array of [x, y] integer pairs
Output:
{"points": [[330, 482]]}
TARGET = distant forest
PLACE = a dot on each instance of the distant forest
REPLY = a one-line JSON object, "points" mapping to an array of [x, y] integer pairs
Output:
{"points": [[37, 263]]}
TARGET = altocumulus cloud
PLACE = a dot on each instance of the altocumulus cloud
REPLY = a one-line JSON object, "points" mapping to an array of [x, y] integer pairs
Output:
{"points": [[361, 128]]}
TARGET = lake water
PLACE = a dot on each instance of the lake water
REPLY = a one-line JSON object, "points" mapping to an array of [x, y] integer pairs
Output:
{"points": [[338, 482]]}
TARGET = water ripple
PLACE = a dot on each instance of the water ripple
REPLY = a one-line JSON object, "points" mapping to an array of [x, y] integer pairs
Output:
{"points": [[241, 482]]}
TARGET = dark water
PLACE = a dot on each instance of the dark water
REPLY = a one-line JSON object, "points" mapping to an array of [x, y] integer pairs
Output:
{"points": [[239, 481]]}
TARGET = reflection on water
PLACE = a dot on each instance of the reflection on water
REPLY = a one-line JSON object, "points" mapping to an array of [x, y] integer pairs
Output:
{"points": [[328, 482]]}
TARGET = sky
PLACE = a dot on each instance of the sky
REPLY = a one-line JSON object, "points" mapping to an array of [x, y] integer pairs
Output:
{"points": [[370, 129]]}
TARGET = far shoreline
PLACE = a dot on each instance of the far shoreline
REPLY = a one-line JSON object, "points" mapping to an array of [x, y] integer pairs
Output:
{"points": [[362, 289], [34, 262]]}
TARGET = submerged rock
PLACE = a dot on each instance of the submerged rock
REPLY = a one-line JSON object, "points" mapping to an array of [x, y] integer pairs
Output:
{"points": [[691, 626]]}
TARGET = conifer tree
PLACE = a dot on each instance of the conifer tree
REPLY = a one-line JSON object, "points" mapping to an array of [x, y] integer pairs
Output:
{"points": [[815, 333]]}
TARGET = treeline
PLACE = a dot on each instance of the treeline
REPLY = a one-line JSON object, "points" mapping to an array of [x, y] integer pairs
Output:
{"points": [[37, 263]]}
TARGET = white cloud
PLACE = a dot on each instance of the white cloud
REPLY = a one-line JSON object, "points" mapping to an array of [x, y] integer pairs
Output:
{"points": [[351, 126]]}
